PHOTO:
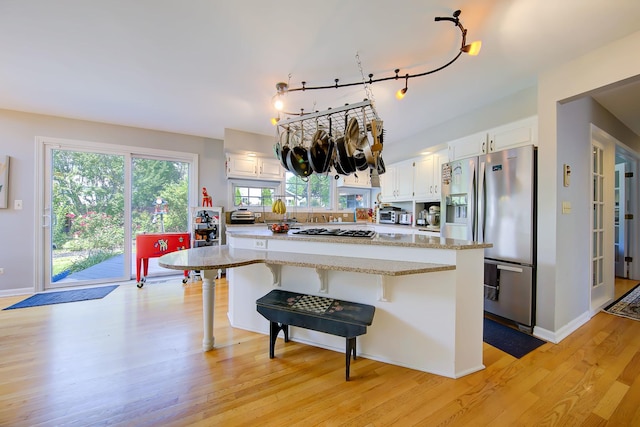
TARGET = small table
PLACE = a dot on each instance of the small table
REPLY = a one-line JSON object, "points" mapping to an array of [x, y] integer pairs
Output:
{"points": [[336, 317]]}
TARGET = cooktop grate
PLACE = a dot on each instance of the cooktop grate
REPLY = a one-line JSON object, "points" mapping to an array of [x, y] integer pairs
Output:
{"points": [[336, 232]]}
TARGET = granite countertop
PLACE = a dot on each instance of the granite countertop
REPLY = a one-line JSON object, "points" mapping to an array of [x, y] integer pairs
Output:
{"points": [[216, 257], [381, 239]]}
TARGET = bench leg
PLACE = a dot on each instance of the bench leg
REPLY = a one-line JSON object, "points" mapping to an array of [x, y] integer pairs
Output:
{"points": [[274, 330], [351, 349]]}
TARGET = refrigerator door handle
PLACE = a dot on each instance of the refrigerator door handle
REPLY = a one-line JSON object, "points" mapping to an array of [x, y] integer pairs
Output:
{"points": [[472, 226], [481, 201], [509, 268]]}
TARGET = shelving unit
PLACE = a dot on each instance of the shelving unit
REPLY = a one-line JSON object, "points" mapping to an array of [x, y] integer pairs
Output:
{"points": [[205, 222], [205, 227]]}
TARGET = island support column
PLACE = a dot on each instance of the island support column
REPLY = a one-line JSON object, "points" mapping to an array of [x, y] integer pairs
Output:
{"points": [[208, 304]]}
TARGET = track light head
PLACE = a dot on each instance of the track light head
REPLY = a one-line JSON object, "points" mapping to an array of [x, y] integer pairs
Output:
{"points": [[473, 48], [281, 88]]}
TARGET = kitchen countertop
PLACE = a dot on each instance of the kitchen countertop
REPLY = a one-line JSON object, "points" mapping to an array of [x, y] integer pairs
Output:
{"points": [[216, 257], [381, 239]]}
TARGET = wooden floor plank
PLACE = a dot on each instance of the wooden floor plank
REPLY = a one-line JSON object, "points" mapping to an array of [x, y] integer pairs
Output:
{"points": [[134, 358]]}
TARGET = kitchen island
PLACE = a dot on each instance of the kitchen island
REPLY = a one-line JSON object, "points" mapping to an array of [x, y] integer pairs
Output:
{"points": [[428, 291]]}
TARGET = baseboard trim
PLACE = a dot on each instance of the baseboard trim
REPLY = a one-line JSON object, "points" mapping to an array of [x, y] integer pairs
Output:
{"points": [[15, 292], [556, 336]]}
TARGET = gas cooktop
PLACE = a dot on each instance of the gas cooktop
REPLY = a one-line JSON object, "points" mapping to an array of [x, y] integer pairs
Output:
{"points": [[336, 232]]}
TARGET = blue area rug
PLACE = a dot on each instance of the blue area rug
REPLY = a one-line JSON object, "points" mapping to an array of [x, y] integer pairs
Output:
{"points": [[509, 340], [60, 297]]}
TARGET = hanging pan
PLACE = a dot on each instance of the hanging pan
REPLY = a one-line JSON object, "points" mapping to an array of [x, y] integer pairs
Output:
{"points": [[298, 159]]}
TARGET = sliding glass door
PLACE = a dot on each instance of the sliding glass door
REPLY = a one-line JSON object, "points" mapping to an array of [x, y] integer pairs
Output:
{"points": [[87, 216], [159, 202], [95, 199]]}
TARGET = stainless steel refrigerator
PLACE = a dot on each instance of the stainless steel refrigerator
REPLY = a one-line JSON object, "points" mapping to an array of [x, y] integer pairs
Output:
{"points": [[492, 198]]}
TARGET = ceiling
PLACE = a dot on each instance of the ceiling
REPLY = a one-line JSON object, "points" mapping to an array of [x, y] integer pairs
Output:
{"points": [[199, 66]]}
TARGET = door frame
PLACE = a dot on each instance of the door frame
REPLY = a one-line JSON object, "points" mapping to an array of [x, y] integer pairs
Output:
{"points": [[632, 159], [41, 219]]}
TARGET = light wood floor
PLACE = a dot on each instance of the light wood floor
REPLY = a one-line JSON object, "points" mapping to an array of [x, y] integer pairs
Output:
{"points": [[134, 359]]}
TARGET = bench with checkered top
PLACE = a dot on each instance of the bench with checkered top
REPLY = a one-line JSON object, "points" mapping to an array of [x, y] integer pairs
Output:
{"points": [[328, 315]]}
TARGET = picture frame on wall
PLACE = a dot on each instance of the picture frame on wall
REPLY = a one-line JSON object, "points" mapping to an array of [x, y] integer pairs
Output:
{"points": [[4, 181]]}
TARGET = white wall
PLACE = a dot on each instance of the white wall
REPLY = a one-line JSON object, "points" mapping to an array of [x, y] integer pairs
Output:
{"points": [[559, 310], [519, 105], [237, 141], [17, 139]]}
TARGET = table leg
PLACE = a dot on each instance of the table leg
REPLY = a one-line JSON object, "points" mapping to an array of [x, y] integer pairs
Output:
{"points": [[208, 304]]}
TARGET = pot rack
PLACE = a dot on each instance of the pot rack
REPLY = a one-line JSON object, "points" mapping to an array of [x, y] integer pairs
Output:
{"points": [[335, 119]]}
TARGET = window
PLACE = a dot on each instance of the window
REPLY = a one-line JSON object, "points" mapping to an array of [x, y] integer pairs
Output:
{"points": [[350, 198], [253, 196], [314, 192]]}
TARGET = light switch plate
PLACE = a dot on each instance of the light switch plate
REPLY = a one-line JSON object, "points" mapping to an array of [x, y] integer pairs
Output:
{"points": [[17, 205], [566, 207]]}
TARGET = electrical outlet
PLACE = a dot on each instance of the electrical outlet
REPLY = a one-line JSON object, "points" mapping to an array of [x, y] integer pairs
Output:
{"points": [[260, 244], [257, 214], [1, 270]]}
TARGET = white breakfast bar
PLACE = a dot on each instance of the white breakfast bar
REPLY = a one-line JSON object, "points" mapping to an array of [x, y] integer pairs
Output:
{"points": [[427, 291]]}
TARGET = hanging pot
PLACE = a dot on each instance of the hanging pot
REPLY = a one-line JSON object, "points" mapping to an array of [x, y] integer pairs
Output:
{"points": [[352, 134], [298, 161], [284, 148], [318, 151], [298, 158], [360, 161], [363, 140], [344, 157]]}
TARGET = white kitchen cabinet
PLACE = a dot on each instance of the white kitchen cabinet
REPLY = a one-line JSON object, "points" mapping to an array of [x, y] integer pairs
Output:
{"points": [[360, 179], [270, 169], [469, 146], [516, 134], [427, 176], [243, 166], [397, 182], [423, 177], [439, 158]]}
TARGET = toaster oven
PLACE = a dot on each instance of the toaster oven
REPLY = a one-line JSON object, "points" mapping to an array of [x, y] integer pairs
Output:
{"points": [[388, 216]]}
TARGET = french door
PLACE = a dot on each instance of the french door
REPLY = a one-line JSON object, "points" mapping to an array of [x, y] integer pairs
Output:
{"points": [[602, 219], [94, 198]]}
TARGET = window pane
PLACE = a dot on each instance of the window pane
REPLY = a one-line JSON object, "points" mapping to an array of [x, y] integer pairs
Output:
{"points": [[249, 196], [320, 191], [350, 198], [312, 193]]}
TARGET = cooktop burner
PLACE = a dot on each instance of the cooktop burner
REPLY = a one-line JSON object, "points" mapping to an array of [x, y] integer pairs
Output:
{"points": [[336, 232]]}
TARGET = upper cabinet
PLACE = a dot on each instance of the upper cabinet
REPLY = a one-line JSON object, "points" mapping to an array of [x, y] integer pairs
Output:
{"points": [[270, 169], [396, 184], [469, 146], [515, 134], [427, 175], [243, 166], [360, 179]]}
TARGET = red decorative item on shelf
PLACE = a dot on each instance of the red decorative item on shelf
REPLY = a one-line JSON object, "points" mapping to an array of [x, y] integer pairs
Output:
{"points": [[206, 198]]}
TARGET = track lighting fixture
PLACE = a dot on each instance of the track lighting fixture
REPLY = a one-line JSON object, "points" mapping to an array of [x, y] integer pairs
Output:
{"points": [[470, 49], [402, 92]]}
